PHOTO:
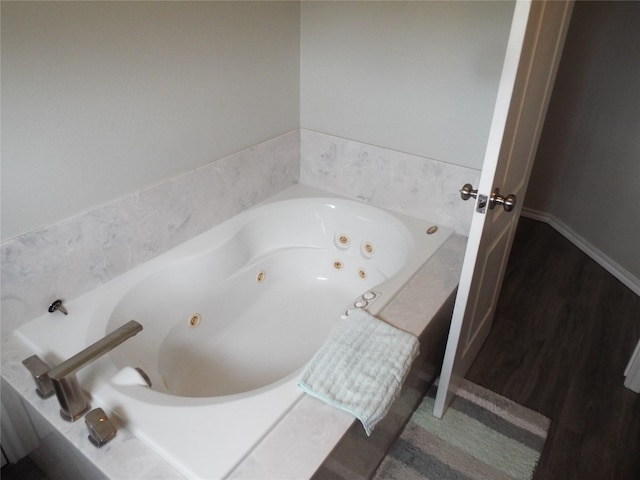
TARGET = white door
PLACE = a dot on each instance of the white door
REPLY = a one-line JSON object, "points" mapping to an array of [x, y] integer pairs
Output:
{"points": [[535, 44]]}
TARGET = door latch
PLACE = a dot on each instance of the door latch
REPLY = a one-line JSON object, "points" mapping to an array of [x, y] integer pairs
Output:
{"points": [[481, 206], [467, 191]]}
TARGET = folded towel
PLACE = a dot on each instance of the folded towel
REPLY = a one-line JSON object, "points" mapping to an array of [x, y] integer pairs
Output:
{"points": [[361, 367]]}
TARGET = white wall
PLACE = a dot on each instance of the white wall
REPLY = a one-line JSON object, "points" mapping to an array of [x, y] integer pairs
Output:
{"points": [[586, 177], [417, 77], [102, 99]]}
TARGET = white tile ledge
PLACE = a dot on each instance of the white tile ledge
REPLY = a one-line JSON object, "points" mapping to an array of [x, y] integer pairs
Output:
{"points": [[307, 442]]}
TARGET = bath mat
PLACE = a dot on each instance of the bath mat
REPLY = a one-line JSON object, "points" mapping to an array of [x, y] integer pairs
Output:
{"points": [[481, 436]]}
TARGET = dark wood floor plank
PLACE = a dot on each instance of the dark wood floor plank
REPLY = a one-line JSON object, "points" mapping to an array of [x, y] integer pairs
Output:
{"points": [[24, 469], [597, 400], [564, 329]]}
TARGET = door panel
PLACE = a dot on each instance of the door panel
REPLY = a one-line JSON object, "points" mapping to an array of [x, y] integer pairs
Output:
{"points": [[533, 53], [479, 317]]}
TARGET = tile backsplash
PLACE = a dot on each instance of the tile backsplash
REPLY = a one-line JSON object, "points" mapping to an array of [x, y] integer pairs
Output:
{"points": [[69, 258], [410, 184]]}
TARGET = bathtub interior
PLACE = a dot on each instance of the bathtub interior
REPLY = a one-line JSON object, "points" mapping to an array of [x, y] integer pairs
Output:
{"points": [[254, 309], [244, 334]]}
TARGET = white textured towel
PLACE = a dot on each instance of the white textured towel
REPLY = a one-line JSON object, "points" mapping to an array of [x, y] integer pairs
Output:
{"points": [[361, 367]]}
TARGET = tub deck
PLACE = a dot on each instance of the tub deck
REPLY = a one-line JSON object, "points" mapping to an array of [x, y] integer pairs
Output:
{"points": [[422, 308]]}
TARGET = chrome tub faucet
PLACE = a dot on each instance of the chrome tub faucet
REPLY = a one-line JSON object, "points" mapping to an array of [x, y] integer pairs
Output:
{"points": [[73, 403]]}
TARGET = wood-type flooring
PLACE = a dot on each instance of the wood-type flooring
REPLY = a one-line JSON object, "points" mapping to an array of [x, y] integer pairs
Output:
{"points": [[563, 332]]}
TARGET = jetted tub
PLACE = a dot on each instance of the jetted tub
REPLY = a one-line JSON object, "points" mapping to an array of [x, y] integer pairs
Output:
{"points": [[230, 319]]}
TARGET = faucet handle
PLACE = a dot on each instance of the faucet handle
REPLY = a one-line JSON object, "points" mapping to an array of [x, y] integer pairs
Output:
{"points": [[57, 305], [101, 430], [40, 372]]}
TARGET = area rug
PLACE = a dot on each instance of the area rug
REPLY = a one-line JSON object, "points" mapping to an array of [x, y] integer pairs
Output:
{"points": [[482, 435]]}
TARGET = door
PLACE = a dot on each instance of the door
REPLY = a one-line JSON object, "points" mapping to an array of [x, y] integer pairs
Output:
{"points": [[533, 52]]}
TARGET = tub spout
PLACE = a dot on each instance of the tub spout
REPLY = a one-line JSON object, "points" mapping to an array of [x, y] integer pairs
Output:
{"points": [[73, 403]]}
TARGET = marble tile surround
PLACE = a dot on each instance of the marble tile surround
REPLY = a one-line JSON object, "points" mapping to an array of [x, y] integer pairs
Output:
{"points": [[74, 256], [410, 184]]}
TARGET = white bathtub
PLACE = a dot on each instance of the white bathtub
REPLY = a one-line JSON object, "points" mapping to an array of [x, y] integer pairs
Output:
{"points": [[231, 317]]}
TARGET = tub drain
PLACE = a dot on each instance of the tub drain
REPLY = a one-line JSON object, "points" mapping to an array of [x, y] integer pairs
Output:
{"points": [[194, 320]]}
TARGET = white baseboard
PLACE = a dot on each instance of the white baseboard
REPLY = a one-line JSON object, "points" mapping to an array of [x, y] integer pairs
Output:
{"points": [[597, 255], [632, 372]]}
